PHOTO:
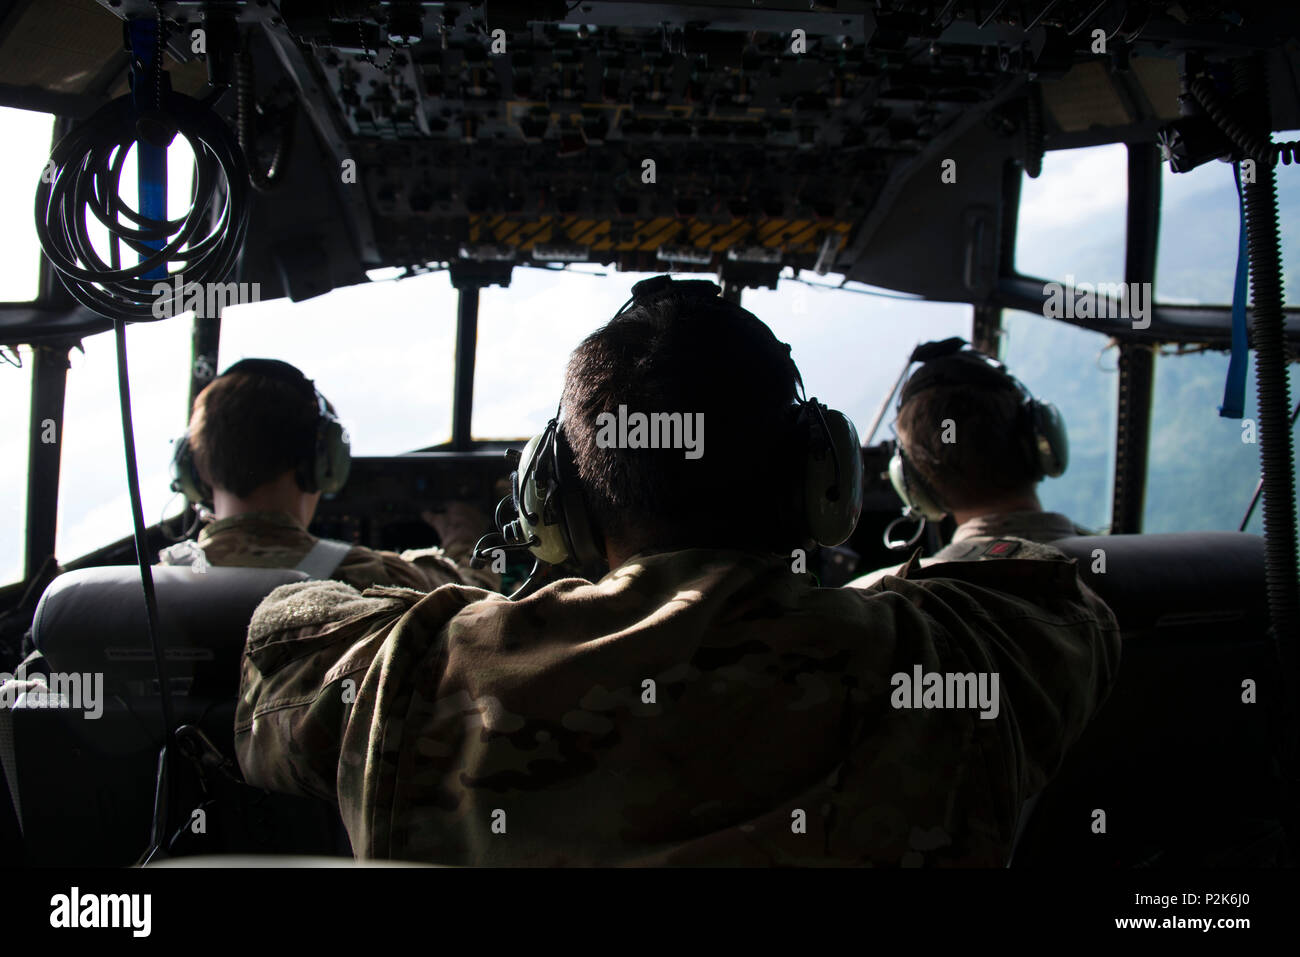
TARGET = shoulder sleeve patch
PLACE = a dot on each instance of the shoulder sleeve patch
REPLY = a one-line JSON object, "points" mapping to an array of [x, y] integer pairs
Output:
{"points": [[1001, 548], [320, 603]]}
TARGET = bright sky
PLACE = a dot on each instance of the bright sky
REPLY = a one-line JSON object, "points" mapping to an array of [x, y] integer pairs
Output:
{"points": [[382, 352]]}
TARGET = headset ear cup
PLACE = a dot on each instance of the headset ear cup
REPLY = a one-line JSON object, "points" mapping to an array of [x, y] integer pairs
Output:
{"points": [[549, 489], [185, 475], [832, 479], [911, 488], [333, 459], [1051, 443], [550, 544]]}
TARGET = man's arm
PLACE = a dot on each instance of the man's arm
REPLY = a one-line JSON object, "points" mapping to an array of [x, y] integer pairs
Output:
{"points": [[977, 549], [309, 645], [1054, 644], [459, 526]]}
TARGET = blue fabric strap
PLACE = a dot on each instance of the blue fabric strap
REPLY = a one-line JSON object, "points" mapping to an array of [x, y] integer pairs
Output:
{"points": [[1234, 389], [151, 161]]}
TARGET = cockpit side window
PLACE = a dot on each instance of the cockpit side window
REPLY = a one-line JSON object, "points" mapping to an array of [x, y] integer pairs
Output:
{"points": [[1071, 223], [26, 149], [1197, 257], [15, 399], [850, 345], [1071, 230], [1074, 370], [94, 509], [1203, 468]]}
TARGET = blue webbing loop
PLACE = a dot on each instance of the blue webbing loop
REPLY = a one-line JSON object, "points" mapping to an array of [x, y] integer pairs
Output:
{"points": [[1234, 389]]}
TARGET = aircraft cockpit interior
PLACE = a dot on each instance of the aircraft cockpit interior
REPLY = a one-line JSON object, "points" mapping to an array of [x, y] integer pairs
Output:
{"points": [[434, 236]]}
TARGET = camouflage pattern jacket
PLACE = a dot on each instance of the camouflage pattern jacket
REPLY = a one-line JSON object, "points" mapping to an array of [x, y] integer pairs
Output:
{"points": [[973, 536], [1022, 534], [278, 540], [692, 707]]}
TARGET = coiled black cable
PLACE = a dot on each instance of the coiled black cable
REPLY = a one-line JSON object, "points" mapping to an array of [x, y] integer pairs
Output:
{"points": [[85, 177]]}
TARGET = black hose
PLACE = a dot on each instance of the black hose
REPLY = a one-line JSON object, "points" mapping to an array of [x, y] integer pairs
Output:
{"points": [[142, 555], [1276, 463], [1255, 146], [270, 178], [1268, 334], [1273, 398]]}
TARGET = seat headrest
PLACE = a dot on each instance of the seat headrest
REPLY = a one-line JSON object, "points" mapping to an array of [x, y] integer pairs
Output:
{"points": [[1156, 581], [93, 620]]}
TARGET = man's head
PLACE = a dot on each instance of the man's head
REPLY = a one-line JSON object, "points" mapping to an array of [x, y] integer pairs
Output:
{"points": [[253, 436], [967, 434], [718, 366]]}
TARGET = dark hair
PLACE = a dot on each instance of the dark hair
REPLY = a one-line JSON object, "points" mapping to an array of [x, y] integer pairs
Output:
{"points": [[991, 456], [249, 429], [690, 355]]}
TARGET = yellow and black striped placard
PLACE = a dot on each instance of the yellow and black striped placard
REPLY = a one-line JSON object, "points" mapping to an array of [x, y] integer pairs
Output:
{"points": [[791, 235]]}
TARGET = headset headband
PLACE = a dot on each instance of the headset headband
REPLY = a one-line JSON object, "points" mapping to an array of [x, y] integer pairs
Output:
{"points": [[274, 369], [649, 291], [952, 362]]}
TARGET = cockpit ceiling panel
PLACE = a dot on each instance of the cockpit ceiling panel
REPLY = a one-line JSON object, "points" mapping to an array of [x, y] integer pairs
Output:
{"points": [[641, 133], [59, 46]]}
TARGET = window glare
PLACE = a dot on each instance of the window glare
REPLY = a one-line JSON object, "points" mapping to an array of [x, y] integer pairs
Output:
{"points": [[850, 346], [1197, 256], [26, 136], [94, 508], [382, 353], [526, 333], [1072, 217]]}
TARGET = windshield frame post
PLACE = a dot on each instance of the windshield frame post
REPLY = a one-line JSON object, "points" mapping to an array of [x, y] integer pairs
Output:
{"points": [[986, 329], [463, 382], [50, 364], [1136, 360], [205, 347], [467, 278]]}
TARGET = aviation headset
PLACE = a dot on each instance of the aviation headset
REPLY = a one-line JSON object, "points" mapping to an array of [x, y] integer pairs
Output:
{"points": [[949, 362], [546, 513], [325, 471]]}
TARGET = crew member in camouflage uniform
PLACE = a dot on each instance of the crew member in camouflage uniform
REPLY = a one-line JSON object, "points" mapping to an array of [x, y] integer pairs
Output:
{"points": [[984, 471], [249, 435], [703, 702]]}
